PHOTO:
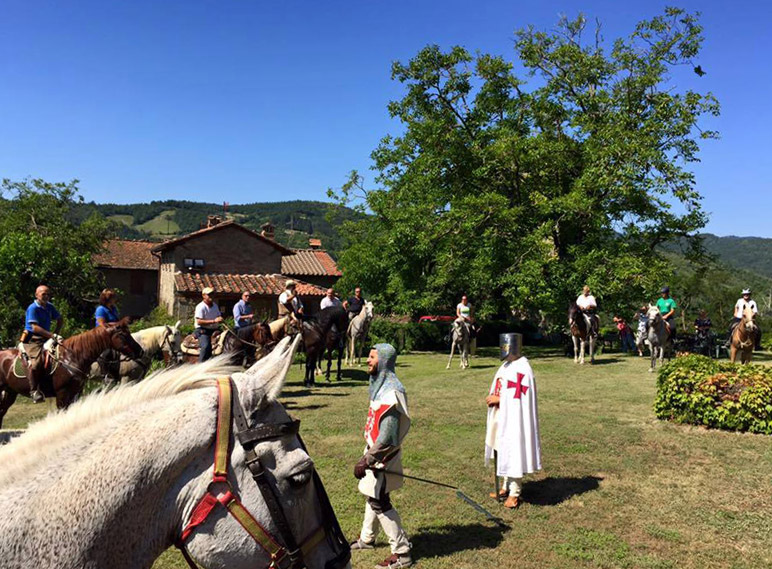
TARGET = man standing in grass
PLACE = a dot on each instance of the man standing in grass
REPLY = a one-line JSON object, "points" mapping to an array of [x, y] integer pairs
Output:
{"points": [[512, 434], [387, 425]]}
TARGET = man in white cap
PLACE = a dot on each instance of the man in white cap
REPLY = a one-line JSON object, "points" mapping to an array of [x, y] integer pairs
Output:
{"points": [[512, 433], [290, 303], [745, 301], [208, 320]]}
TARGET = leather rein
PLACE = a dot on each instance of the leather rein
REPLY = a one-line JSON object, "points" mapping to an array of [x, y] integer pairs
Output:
{"points": [[283, 556]]}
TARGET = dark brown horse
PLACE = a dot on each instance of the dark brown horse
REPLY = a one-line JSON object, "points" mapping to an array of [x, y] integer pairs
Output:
{"points": [[70, 368], [315, 333], [242, 343]]}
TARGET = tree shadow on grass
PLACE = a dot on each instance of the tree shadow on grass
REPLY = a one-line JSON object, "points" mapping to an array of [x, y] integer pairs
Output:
{"points": [[447, 540], [292, 406], [552, 491]]}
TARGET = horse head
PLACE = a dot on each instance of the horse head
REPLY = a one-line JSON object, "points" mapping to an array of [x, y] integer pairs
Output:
{"points": [[290, 477], [749, 319], [122, 341], [575, 319], [173, 342], [262, 333], [368, 310]]}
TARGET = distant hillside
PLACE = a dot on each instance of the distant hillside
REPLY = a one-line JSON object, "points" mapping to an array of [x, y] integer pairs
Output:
{"points": [[750, 253], [295, 221]]}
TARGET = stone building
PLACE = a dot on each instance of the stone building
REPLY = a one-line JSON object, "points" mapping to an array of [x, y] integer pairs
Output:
{"points": [[223, 255], [130, 267]]}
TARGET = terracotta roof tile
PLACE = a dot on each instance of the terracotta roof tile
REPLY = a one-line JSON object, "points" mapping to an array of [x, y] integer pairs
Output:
{"points": [[261, 285], [310, 262], [125, 254]]}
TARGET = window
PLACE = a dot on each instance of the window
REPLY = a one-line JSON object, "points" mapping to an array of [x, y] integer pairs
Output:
{"points": [[192, 264]]}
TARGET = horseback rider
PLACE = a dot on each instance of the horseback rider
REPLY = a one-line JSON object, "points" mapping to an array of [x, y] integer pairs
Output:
{"points": [[587, 304], [465, 314], [290, 303], [745, 301], [329, 300], [354, 304], [208, 319], [243, 314], [667, 307], [37, 330], [106, 312], [387, 425]]}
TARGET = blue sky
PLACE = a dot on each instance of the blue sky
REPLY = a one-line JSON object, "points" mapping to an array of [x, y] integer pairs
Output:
{"points": [[245, 100]]}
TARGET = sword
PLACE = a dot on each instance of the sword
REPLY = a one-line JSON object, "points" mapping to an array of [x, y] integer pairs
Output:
{"points": [[498, 521]]}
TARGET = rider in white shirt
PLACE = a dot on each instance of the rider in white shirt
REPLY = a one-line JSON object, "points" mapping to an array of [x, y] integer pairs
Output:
{"points": [[586, 301], [744, 302]]}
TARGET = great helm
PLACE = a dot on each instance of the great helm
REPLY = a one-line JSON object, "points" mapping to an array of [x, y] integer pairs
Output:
{"points": [[510, 344]]}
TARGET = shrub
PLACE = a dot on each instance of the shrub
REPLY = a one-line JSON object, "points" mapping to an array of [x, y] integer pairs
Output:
{"points": [[701, 391]]}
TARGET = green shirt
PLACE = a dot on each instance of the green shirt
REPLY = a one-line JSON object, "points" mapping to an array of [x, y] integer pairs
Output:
{"points": [[665, 305]]}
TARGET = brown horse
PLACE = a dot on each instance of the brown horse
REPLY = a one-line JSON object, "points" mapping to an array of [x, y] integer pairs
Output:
{"points": [[744, 337], [246, 344], [67, 373]]}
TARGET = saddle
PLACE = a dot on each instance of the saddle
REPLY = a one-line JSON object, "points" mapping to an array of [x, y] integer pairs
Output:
{"points": [[190, 344], [50, 360]]}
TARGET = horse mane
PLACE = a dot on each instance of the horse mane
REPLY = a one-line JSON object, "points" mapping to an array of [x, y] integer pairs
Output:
{"points": [[44, 438], [94, 340]]}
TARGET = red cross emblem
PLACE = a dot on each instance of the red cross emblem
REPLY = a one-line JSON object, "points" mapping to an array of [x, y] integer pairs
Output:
{"points": [[520, 389]]}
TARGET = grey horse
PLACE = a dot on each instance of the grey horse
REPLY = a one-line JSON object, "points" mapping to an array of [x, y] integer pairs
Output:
{"points": [[657, 334], [460, 338], [357, 332]]}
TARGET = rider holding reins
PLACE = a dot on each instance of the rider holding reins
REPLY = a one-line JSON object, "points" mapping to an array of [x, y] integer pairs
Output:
{"points": [[588, 305], [667, 307], [37, 330]]}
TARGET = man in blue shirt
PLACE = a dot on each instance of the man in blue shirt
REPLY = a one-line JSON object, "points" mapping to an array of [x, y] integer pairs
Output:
{"points": [[37, 329], [242, 311]]}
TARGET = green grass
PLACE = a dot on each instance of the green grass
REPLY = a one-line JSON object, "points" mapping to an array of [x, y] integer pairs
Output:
{"points": [[619, 488], [125, 219], [162, 224]]}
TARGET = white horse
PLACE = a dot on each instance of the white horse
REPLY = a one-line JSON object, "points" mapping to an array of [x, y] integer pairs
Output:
{"points": [[153, 340], [657, 335], [460, 338], [357, 332], [124, 474]]}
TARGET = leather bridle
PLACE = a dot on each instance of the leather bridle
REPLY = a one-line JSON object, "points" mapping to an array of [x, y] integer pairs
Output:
{"points": [[285, 552]]}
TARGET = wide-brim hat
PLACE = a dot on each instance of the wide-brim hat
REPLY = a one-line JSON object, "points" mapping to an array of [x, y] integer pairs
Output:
{"points": [[746, 291], [207, 290], [290, 283]]}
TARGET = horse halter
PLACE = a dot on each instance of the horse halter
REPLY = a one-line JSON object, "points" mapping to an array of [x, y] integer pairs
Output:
{"points": [[286, 556]]}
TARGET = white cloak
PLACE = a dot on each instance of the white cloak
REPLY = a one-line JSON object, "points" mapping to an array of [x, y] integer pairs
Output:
{"points": [[512, 429]]}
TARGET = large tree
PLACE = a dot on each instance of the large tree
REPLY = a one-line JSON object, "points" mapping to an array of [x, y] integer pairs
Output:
{"points": [[519, 196], [40, 244]]}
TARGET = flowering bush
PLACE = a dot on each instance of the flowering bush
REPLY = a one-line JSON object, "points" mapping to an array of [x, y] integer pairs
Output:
{"points": [[701, 391]]}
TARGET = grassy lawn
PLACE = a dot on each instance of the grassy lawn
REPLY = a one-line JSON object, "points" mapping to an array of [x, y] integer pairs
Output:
{"points": [[162, 224], [619, 489]]}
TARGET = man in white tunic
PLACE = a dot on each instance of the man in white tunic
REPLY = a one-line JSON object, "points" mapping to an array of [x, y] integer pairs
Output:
{"points": [[387, 425], [512, 434]]}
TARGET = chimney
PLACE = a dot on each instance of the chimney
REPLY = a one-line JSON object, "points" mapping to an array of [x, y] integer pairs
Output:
{"points": [[212, 220], [315, 243], [268, 230]]}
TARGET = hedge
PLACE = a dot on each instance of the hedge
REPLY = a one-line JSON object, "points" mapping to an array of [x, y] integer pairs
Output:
{"points": [[701, 391]]}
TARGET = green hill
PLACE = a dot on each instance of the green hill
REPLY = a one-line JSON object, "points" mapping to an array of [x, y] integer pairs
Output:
{"points": [[295, 221]]}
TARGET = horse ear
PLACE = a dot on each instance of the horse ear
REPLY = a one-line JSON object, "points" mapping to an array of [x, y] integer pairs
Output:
{"points": [[177, 324], [263, 382]]}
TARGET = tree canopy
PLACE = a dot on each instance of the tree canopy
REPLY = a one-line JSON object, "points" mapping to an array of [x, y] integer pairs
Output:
{"points": [[40, 244], [519, 192]]}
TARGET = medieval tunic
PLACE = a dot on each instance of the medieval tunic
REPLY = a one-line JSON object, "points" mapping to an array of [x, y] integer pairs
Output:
{"points": [[513, 427], [387, 425]]}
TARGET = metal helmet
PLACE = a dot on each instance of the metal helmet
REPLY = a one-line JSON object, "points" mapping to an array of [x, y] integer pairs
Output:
{"points": [[510, 344]]}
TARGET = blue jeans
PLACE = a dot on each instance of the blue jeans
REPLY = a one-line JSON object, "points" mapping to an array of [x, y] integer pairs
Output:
{"points": [[627, 341], [204, 343]]}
